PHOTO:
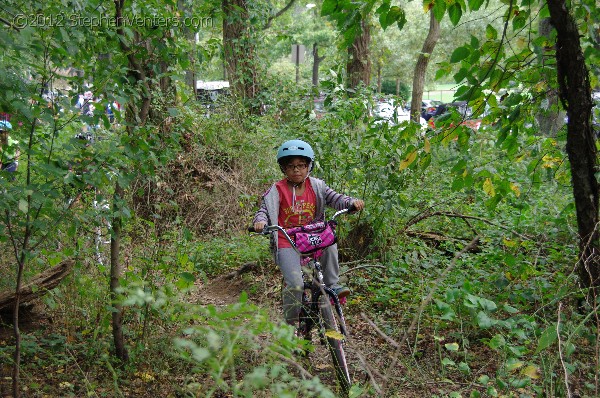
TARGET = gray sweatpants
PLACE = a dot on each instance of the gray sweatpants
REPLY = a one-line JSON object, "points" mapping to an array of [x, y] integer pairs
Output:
{"points": [[289, 263]]}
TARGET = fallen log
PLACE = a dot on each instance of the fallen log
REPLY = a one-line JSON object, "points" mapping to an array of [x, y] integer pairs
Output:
{"points": [[37, 286], [247, 267]]}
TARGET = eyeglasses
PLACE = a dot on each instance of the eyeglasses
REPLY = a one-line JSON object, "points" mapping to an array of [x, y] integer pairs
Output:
{"points": [[292, 167]]}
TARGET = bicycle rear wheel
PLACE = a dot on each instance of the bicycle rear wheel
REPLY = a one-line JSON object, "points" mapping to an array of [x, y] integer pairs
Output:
{"points": [[335, 342], [305, 320]]}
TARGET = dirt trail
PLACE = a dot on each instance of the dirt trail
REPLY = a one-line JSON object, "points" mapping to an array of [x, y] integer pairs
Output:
{"points": [[219, 291], [366, 348]]}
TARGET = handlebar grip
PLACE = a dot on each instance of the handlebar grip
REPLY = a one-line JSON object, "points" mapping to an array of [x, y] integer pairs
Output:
{"points": [[352, 209], [251, 229]]}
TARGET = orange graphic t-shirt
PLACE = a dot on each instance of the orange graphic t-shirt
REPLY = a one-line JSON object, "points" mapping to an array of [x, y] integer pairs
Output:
{"points": [[294, 213]]}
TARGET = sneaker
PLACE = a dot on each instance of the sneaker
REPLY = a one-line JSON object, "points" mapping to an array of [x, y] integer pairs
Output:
{"points": [[341, 291]]}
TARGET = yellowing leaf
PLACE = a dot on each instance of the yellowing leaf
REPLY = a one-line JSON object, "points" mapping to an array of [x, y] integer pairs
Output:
{"points": [[451, 346], [65, 384], [145, 376], [515, 188], [508, 242], [408, 160], [488, 187], [513, 365], [333, 334], [550, 162], [427, 145], [531, 371]]}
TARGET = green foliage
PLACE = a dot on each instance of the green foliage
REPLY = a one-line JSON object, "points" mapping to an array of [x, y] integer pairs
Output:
{"points": [[216, 256], [221, 343], [389, 87], [498, 316]]}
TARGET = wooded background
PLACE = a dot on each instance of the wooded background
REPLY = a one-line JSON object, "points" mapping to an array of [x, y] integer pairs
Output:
{"points": [[474, 267]]}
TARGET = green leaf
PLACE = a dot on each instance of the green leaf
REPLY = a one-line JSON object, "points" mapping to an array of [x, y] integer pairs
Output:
{"points": [[459, 54], [475, 394], [483, 379], [547, 338], [329, 7], [439, 9], [401, 20], [475, 5], [188, 277], [491, 33], [23, 205], [464, 367], [394, 14], [509, 309], [382, 11], [350, 34], [497, 341], [484, 321], [519, 21], [455, 12]]}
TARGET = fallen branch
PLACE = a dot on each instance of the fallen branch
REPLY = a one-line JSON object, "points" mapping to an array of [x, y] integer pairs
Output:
{"points": [[38, 286], [242, 270], [363, 266], [435, 239], [424, 216]]}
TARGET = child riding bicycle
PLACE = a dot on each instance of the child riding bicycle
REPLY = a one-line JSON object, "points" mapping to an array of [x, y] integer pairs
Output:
{"points": [[295, 201]]}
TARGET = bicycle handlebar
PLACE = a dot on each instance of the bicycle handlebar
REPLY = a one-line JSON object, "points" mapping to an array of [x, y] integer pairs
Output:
{"points": [[272, 228]]}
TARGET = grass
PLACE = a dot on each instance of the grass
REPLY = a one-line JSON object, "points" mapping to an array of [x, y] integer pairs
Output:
{"points": [[440, 92]]}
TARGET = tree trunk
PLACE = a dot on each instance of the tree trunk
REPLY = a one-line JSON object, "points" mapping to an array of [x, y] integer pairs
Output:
{"points": [[549, 118], [359, 62], [379, 77], [21, 248], [316, 62], [240, 52], [190, 74], [17, 333], [397, 86], [421, 68], [575, 95], [116, 270]]}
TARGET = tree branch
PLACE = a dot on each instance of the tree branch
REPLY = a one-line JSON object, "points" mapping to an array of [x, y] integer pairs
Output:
{"points": [[362, 266], [423, 216], [278, 14]]}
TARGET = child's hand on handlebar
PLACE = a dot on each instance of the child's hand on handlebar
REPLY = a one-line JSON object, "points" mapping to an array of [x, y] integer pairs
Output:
{"points": [[259, 226], [358, 205]]}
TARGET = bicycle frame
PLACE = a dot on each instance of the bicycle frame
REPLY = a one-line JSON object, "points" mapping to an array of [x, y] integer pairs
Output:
{"points": [[316, 309], [317, 288]]}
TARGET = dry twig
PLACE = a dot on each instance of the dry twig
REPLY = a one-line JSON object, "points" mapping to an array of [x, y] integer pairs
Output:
{"points": [[423, 216]]}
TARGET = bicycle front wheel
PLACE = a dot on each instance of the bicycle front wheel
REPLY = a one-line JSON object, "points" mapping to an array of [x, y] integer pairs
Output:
{"points": [[335, 342]]}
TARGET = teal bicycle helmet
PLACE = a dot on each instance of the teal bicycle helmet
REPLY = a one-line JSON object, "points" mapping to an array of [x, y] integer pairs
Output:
{"points": [[295, 148]]}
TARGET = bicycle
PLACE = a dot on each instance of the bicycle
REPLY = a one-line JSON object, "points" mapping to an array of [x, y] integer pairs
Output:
{"points": [[318, 300]]}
